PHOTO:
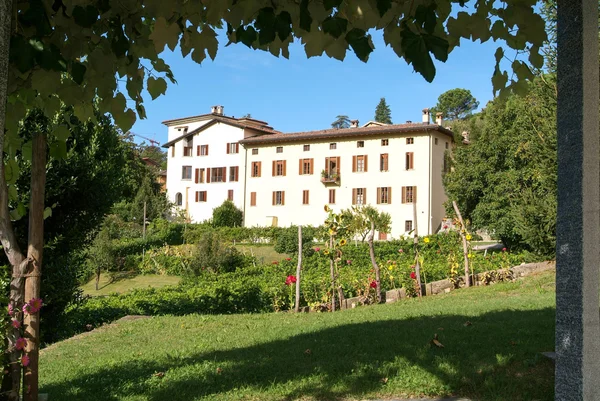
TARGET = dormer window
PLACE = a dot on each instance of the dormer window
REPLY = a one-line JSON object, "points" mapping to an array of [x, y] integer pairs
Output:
{"points": [[188, 146]]}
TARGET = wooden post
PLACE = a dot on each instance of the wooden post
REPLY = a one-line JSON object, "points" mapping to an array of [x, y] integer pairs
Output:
{"points": [[416, 245], [374, 262], [144, 228], [298, 268], [464, 242], [332, 271], [34, 254]]}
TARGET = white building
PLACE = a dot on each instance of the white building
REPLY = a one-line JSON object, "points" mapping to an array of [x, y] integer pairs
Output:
{"points": [[286, 179]]}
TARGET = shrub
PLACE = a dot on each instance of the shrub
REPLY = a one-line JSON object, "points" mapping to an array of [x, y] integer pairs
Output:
{"points": [[214, 255], [287, 241], [227, 215]]}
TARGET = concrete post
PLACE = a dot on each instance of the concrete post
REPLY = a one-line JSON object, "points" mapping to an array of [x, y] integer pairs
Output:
{"points": [[578, 225]]}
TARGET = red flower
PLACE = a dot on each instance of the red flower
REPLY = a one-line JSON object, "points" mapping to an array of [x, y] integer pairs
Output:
{"points": [[288, 259], [317, 249], [413, 267], [413, 275], [503, 249], [445, 226], [348, 262], [290, 280], [438, 251], [373, 284], [275, 262]]}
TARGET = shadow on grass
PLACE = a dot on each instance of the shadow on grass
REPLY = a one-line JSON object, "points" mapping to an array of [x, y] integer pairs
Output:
{"points": [[496, 357]]}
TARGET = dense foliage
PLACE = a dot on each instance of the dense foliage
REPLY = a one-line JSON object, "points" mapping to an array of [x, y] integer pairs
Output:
{"points": [[455, 104], [383, 113], [227, 215]]}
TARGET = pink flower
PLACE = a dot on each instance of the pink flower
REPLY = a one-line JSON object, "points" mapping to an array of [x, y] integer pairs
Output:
{"points": [[413, 267], [348, 262], [373, 284], [317, 249], [438, 251], [25, 360], [389, 262], [21, 343], [503, 249], [15, 323], [401, 250], [33, 306], [413, 275], [290, 280], [445, 226], [11, 310], [288, 259]]}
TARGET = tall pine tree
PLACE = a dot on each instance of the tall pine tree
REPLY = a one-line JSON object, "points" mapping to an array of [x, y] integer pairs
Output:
{"points": [[383, 114]]}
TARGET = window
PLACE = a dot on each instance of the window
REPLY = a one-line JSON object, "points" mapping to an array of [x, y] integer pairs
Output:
{"points": [[202, 150], [179, 199], [409, 194], [255, 151], [383, 162], [199, 176], [332, 167], [279, 149], [410, 141], [359, 196], [255, 169], [233, 148], [409, 160], [306, 148], [186, 173], [188, 147], [279, 168], [359, 164], [252, 198], [278, 198], [360, 144], [332, 196], [333, 146], [173, 151], [230, 195], [435, 141], [306, 167], [382, 236], [200, 196], [216, 174], [384, 195], [408, 225], [305, 197], [385, 142], [446, 145], [234, 173]]}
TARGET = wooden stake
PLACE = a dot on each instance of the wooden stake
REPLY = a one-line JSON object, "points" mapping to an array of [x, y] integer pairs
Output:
{"points": [[298, 268], [416, 245], [464, 242]]}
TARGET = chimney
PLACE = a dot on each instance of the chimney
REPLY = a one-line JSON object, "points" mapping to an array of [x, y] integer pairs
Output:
{"points": [[408, 121], [439, 119], [425, 116], [466, 140], [354, 124], [218, 110]]}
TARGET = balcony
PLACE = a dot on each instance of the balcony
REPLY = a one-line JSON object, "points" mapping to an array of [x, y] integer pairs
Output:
{"points": [[328, 177]]}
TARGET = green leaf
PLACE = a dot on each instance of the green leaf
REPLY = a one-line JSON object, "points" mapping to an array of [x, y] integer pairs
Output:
{"points": [[265, 23], [335, 26], [208, 39], [119, 43], [283, 25], [416, 52], [77, 72], [329, 4], [305, 18], [360, 43], [85, 17], [438, 46], [535, 58], [499, 79], [164, 34], [47, 212], [383, 6], [426, 17], [246, 35], [27, 151], [62, 133], [125, 120], [21, 53], [58, 150], [156, 87], [11, 170], [499, 54], [499, 30]]}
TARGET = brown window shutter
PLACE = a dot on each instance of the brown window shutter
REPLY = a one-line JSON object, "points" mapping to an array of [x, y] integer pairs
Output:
{"points": [[354, 196], [274, 197], [227, 150], [300, 166], [237, 173], [378, 195], [237, 148], [274, 168], [284, 167], [259, 168], [364, 196], [339, 169], [366, 163], [312, 166], [205, 196], [327, 164], [197, 176], [224, 173], [412, 159], [283, 197], [206, 150], [389, 195], [403, 194], [208, 175], [173, 151], [414, 194], [354, 163], [252, 198], [197, 196]]}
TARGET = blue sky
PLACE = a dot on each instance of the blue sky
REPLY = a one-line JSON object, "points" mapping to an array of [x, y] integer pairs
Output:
{"points": [[303, 94]]}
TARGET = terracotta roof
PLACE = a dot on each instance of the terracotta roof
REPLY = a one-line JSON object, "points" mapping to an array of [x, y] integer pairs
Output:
{"points": [[347, 132], [213, 115], [241, 123]]}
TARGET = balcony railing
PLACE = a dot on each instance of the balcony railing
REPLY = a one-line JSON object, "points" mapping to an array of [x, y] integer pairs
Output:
{"points": [[330, 178]]}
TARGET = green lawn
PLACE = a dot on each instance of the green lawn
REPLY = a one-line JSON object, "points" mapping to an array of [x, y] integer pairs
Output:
{"points": [[263, 253], [492, 338], [125, 283]]}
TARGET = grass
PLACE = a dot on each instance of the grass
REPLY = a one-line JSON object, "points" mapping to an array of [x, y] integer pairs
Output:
{"points": [[492, 338], [124, 283], [265, 254]]}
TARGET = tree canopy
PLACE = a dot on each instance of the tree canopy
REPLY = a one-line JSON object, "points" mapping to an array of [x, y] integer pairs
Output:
{"points": [[383, 114], [341, 121], [455, 104]]}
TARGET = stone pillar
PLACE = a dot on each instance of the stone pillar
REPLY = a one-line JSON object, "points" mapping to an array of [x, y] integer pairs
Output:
{"points": [[578, 225]]}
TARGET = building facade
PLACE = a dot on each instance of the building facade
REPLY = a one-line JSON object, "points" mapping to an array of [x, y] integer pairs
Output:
{"points": [[286, 179]]}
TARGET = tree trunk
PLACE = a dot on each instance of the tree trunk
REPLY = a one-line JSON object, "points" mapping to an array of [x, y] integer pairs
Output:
{"points": [[34, 254], [332, 271], [374, 263], [464, 242], [416, 245], [298, 268], [97, 276]]}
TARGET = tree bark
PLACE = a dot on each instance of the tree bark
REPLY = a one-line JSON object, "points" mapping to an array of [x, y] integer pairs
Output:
{"points": [[464, 242], [416, 245], [34, 254], [332, 271], [374, 262], [298, 268]]}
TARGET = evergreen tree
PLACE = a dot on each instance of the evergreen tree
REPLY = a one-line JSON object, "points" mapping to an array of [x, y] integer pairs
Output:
{"points": [[341, 121], [383, 114], [455, 104]]}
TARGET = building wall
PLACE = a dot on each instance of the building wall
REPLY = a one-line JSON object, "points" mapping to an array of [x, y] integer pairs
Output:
{"points": [[216, 137], [294, 212], [438, 195]]}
